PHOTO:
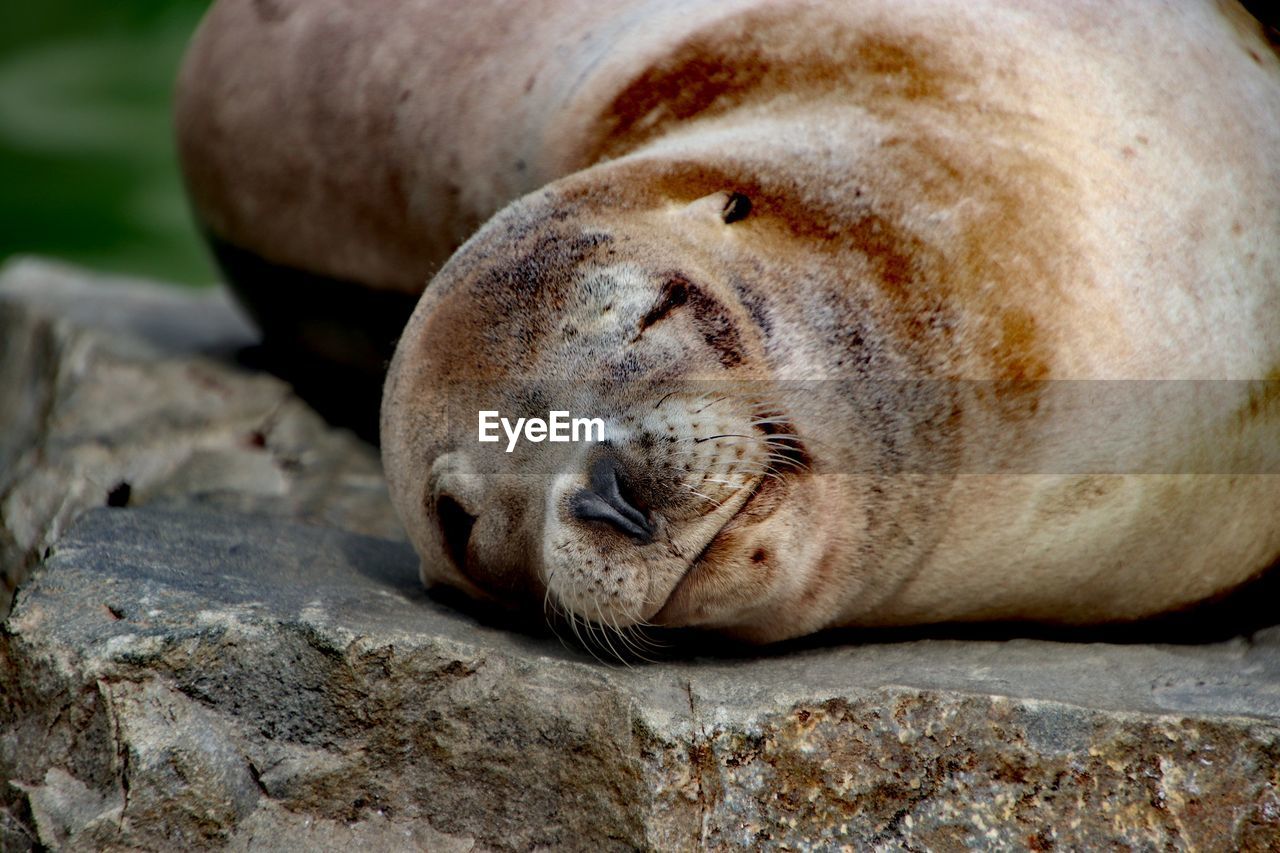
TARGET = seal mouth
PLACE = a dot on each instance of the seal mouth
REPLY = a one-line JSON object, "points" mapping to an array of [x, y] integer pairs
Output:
{"points": [[699, 560]]}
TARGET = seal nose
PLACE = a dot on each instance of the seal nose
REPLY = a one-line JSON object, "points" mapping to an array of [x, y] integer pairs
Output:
{"points": [[605, 501], [456, 525], [499, 570]]}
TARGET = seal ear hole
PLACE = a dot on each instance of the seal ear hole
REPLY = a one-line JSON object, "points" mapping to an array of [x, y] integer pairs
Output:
{"points": [[735, 209], [455, 527]]}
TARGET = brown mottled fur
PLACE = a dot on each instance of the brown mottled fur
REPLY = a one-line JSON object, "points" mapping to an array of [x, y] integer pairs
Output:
{"points": [[978, 198]]}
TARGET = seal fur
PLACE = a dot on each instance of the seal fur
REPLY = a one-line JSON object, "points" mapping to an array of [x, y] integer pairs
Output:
{"points": [[960, 210]]}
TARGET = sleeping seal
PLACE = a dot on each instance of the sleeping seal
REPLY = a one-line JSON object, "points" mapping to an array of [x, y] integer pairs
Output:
{"points": [[892, 314]]}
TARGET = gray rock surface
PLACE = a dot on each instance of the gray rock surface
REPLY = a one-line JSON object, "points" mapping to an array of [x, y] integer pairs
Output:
{"points": [[199, 678], [126, 390], [242, 658]]}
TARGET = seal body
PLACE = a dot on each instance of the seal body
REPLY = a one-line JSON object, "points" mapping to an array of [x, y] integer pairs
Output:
{"points": [[894, 315]]}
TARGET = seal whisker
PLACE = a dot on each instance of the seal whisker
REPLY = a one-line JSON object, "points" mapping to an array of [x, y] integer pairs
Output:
{"points": [[664, 399], [627, 642], [593, 644], [709, 405], [639, 644], [788, 453], [546, 595], [721, 435], [704, 497], [652, 643], [553, 611], [606, 628], [801, 439], [640, 628], [691, 451], [556, 615], [573, 623], [752, 438], [635, 637], [772, 472], [788, 462]]}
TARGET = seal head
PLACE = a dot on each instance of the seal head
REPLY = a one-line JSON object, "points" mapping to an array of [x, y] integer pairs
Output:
{"points": [[627, 309]]}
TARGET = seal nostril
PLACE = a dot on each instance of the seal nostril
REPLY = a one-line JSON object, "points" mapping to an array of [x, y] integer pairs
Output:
{"points": [[605, 501], [455, 525]]}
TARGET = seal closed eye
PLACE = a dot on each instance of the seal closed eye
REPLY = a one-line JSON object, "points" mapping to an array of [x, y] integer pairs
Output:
{"points": [[674, 294]]}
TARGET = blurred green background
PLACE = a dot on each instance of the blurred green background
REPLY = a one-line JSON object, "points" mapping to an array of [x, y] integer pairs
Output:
{"points": [[87, 166]]}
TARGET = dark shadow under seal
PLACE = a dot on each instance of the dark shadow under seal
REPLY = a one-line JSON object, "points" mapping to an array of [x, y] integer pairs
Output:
{"points": [[330, 338]]}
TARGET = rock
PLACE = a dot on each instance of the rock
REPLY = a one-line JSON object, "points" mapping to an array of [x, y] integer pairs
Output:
{"points": [[235, 653], [202, 678], [125, 392]]}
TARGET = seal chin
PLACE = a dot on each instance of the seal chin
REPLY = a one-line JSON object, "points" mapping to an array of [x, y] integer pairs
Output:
{"points": [[609, 570], [677, 604], [723, 550]]}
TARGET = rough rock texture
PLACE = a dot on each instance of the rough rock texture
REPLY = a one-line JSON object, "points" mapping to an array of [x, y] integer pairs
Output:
{"points": [[179, 678], [243, 658], [125, 392]]}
